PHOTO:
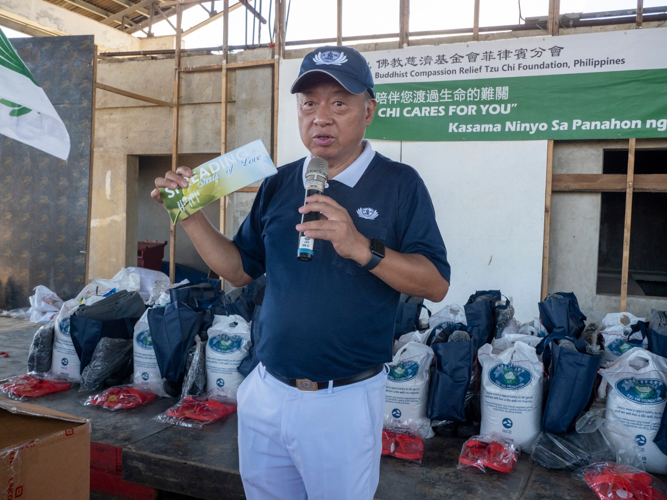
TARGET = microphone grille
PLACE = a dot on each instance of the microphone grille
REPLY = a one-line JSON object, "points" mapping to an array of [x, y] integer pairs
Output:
{"points": [[318, 166]]}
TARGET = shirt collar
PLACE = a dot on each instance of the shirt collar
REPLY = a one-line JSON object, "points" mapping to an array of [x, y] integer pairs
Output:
{"points": [[351, 175]]}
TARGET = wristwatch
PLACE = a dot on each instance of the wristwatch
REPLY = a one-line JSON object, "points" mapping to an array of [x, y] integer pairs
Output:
{"points": [[377, 254]]}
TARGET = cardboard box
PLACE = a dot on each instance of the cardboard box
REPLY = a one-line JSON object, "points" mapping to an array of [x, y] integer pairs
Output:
{"points": [[44, 454]]}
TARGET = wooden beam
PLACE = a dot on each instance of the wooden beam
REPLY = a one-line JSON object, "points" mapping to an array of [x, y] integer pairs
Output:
{"points": [[224, 112], [90, 167], [276, 79], [211, 19], [475, 22], [89, 7], [125, 93], [174, 141], [404, 24], [164, 16], [640, 13], [236, 65], [553, 22], [608, 183], [248, 189], [547, 220], [339, 23], [118, 16], [127, 3], [253, 11], [628, 224]]}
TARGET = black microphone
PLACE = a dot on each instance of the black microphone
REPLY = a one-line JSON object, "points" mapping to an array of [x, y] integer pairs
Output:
{"points": [[317, 175]]}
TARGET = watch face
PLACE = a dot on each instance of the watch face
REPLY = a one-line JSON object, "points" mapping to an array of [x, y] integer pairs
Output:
{"points": [[377, 247]]}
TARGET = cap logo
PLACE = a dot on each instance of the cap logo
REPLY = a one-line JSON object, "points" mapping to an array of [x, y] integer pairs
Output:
{"points": [[330, 57]]}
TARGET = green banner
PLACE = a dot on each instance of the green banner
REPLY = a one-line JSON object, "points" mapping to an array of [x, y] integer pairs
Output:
{"points": [[609, 105]]}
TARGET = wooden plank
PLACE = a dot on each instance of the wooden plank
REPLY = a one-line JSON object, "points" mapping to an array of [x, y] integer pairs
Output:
{"points": [[253, 11], [547, 220], [553, 22], [174, 143], [236, 65], [89, 7], [118, 16], [248, 189], [276, 80], [92, 159], [139, 97], [404, 24], [211, 19], [128, 3], [223, 122], [339, 22], [640, 13], [628, 224], [113, 484], [608, 183], [475, 25]]}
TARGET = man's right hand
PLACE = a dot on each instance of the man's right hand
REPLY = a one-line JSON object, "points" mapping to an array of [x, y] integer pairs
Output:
{"points": [[171, 180]]}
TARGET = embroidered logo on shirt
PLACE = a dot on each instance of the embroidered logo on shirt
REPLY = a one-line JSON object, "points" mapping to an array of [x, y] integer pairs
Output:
{"points": [[330, 57], [367, 213]]}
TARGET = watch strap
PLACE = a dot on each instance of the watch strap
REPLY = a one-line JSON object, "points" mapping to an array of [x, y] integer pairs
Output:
{"points": [[375, 260]]}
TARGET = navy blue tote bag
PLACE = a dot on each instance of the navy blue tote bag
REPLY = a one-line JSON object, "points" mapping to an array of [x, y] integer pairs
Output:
{"points": [[450, 380], [173, 330], [571, 381], [480, 315]]}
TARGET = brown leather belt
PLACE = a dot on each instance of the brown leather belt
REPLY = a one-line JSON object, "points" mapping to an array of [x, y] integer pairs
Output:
{"points": [[304, 384]]}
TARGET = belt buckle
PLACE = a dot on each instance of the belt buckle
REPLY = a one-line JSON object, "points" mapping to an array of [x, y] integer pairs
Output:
{"points": [[303, 384]]}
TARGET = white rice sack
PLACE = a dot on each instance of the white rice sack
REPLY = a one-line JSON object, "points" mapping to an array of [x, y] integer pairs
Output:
{"points": [[637, 396], [511, 395], [415, 336], [508, 340], [618, 319], [617, 326], [452, 313], [148, 278], [228, 344], [65, 361], [146, 369], [406, 396]]}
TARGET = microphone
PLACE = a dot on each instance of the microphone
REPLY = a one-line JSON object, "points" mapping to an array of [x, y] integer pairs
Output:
{"points": [[317, 175]]}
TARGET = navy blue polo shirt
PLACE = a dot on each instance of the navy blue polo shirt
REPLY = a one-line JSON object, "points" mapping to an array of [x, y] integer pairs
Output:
{"points": [[328, 319]]}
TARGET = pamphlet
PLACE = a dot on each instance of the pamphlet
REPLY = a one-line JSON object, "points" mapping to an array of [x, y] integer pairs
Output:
{"points": [[217, 178]]}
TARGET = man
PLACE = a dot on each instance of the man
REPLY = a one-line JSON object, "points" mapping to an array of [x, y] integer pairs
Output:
{"points": [[311, 414]]}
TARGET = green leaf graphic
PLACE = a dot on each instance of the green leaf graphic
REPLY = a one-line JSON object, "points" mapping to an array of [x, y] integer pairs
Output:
{"points": [[22, 110], [11, 60]]}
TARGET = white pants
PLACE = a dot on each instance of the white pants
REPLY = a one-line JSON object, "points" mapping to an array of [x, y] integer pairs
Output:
{"points": [[317, 445]]}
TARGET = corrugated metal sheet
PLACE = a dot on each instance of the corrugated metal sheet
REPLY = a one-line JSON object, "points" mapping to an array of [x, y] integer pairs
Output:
{"points": [[106, 6]]}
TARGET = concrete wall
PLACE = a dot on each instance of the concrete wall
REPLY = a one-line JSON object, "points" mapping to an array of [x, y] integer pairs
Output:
{"points": [[575, 230], [51, 19], [125, 128], [153, 222]]}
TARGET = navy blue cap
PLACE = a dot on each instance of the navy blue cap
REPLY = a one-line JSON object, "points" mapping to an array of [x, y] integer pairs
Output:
{"points": [[344, 64]]}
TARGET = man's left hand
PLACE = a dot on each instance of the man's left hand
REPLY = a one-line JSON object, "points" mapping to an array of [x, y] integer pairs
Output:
{"points": [[336, 227]]}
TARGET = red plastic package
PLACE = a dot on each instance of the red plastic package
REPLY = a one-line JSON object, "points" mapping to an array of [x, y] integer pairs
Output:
{"points": [[121, 397], [196, 411], [31, 386], [491, 452], [612, 481], [405, 446]]}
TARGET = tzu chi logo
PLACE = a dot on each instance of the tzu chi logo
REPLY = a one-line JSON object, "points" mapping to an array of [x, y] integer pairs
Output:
{"points": [[330, 57], [367, 213]]}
